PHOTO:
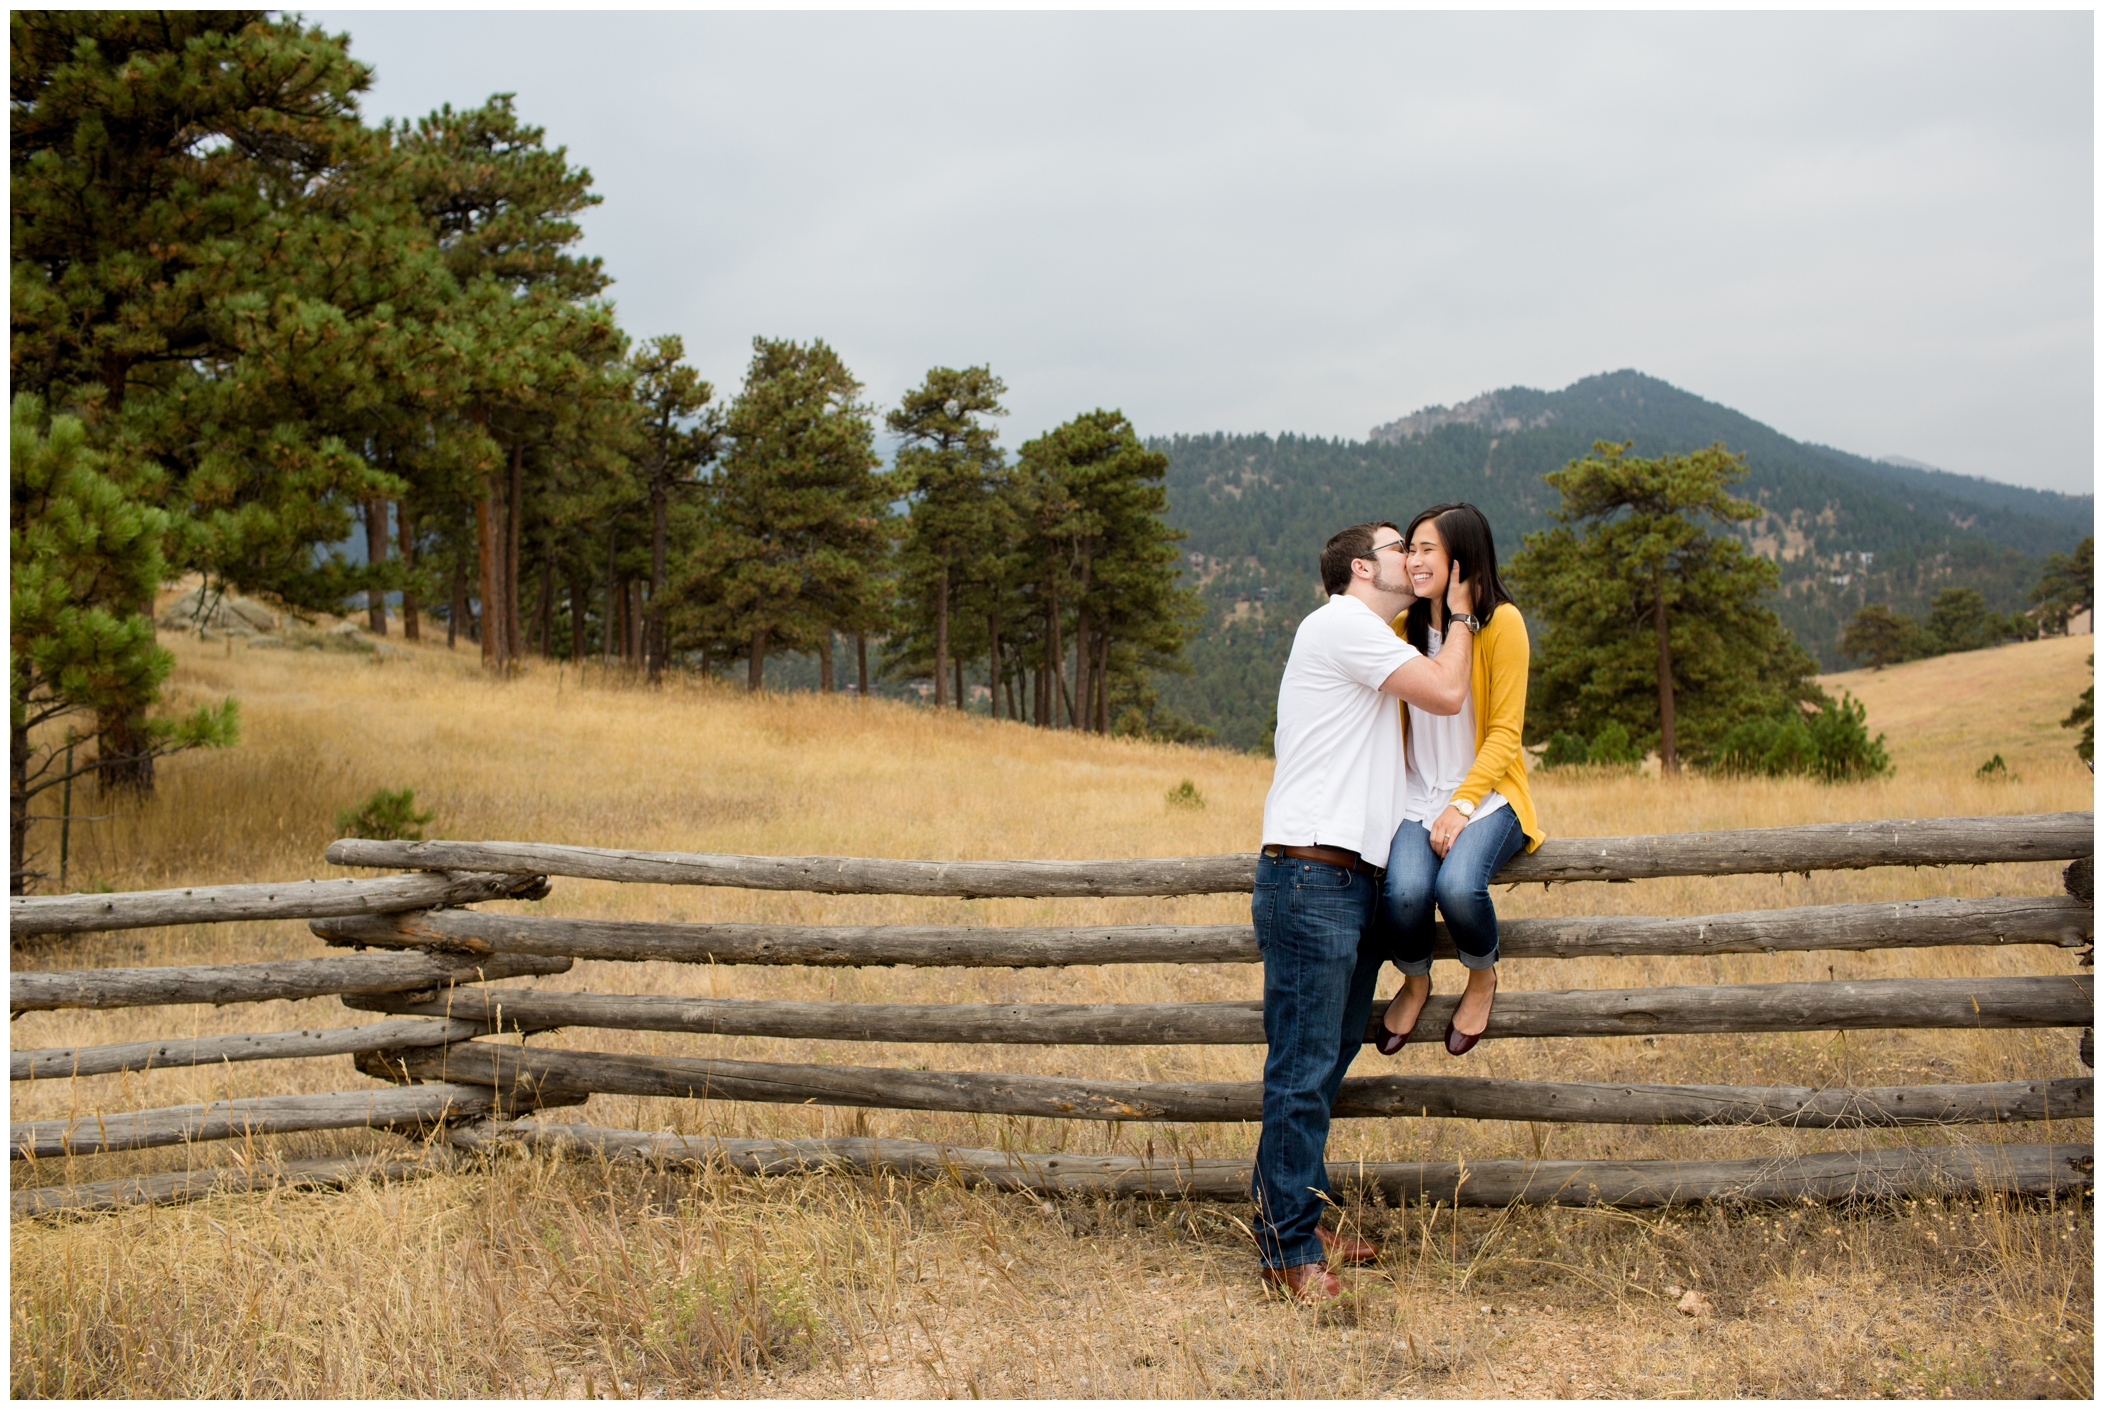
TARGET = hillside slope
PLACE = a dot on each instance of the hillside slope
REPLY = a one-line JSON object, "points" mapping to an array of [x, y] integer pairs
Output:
{"points": [[1257, 508]]}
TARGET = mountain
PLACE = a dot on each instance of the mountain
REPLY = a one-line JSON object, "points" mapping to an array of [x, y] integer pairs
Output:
{"points": [[1843, 529]]}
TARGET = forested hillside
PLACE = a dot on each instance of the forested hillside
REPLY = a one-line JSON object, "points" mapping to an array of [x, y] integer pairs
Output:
{"points": [[1844, 530]]}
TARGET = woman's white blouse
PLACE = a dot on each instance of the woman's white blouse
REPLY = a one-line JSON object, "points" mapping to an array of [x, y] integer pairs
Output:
{"points": [[1440, 752]]}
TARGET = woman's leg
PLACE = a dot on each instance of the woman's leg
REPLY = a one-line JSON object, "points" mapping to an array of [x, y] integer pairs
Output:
{"points": [[1463, 892], [1407, 893]]}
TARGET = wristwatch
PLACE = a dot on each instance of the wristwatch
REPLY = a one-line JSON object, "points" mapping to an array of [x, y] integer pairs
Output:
{"points": [[1463, 807], [1467, 619]]}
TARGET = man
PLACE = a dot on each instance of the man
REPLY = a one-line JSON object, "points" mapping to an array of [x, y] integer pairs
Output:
{"points": [[1335, 802]]}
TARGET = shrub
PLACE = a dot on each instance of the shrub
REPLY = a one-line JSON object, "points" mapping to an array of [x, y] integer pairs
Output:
{"points": [[387, 816], [1830, 744], [1609, 747], [1996, 770], [1184, 795]]}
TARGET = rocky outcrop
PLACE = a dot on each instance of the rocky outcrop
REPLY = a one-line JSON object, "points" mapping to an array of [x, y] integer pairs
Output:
{"points": [[1488, 410]]}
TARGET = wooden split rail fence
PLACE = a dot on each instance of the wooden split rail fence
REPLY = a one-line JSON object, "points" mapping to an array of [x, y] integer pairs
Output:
{"points": [[428, 961]]}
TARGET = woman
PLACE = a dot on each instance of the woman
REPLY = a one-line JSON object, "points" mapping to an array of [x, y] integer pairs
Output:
{"points": [[1466, 809]]}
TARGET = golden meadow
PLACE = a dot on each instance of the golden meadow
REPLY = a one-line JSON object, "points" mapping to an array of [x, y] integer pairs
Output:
{"points": [[550, 1276]]}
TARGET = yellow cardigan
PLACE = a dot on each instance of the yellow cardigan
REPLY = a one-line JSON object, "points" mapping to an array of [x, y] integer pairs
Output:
{"points": [[1497, 675]]}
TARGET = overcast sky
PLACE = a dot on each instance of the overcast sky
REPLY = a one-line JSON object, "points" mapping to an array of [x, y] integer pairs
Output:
{"points": [[1872, 231]]}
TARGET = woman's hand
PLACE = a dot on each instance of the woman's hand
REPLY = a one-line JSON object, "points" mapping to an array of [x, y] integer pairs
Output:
{"points": [[1445, 828]]}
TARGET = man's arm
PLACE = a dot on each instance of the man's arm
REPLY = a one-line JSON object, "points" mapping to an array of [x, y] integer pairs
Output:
{"points": [[1437, 685]]}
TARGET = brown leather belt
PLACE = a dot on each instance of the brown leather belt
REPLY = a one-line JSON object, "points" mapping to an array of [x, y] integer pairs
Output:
{"points": [[1334, 856]]}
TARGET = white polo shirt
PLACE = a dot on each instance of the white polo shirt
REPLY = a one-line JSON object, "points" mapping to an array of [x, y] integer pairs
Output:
{"points": [[1339, 781]]}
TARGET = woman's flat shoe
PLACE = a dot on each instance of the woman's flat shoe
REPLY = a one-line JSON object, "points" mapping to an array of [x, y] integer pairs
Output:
{"points": [[1391, 1042], [1458, 1043]]}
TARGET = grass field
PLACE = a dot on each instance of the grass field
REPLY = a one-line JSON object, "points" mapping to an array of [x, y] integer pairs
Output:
{"points": [[541, 1276]]}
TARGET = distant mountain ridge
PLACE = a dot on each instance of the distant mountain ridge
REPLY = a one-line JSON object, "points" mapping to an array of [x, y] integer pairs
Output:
{"points": [[1842, 528]]}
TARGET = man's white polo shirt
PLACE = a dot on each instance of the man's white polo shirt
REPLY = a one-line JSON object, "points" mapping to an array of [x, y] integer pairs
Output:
{"points": [[1339, 781]]}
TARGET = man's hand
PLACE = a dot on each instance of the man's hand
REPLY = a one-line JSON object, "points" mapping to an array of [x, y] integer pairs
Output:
{"points": [[1460, 594], [1445, 828]]}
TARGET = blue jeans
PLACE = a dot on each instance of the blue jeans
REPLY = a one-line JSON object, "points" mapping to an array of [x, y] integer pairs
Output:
{"points": [[1460, 884], [1311, 919]]}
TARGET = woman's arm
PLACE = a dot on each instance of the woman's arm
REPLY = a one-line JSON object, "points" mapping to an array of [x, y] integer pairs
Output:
{"points": [[1506, 657]]}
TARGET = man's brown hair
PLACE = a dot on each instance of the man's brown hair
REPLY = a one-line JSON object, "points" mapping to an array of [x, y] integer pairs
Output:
{"points": [[1343, 547]]}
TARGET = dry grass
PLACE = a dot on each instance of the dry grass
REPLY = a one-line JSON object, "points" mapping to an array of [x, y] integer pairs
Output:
{"points": [[536, 1276]]}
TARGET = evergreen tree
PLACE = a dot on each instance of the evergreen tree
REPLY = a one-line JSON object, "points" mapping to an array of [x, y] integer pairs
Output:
{"points": [[1099, 545], [673, 442], [1882, 637], [2067, 585], [1647, 617], [797, 509], [956, 534], [181, 210], [1959, 621], [502, 208], [83, 549]]}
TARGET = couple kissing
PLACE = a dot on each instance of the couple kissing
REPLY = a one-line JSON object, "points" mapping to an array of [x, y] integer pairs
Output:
{"points": [[1400, 784]]}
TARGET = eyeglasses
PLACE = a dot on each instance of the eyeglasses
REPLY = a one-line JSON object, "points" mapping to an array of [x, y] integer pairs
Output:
{"points": [[1396, 544]]}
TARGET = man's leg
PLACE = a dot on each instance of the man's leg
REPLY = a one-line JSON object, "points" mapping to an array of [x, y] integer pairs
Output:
{"points": [[1310, 918]]}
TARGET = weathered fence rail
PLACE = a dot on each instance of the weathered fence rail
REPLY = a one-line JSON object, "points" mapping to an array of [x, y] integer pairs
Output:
{"points": [[1816, 847], [1936, 920], [432, 960], [527, 1073], [283, 900], [2052, 1001], [1828, 1176], [265, 979]]}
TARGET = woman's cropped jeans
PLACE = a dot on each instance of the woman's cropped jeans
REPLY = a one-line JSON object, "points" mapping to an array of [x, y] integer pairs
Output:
{"points": [[1460, 884]]}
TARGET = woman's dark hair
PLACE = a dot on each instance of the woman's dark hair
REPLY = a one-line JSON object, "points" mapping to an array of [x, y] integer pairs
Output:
{"points": [[1466, 534]]}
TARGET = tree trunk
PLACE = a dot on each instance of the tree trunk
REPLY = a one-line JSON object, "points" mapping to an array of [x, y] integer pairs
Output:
{"points": [[1056, 661], [17, 806], [861, 666], [1084, 675], [638, 605], [612, 616], [375, 555], [457, 609], [515, 518], [544, 613], [825, 663], [993, 665], [576, 618], [656, 639], [756, 661], [407, 552], [489, 545], [1102, 678], [1668, 755], [942, 635]]}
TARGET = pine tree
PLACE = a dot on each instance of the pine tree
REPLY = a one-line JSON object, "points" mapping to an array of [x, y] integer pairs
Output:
{"points": [[1881, 636], [83, 550], [1101, 546], [173, 175], [956, 536], [1647, 618], [797, 520], [2067, 585], [673, 441]]}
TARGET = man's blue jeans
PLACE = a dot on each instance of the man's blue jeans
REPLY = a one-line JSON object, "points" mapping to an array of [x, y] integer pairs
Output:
{"points": [[1311, 919], [1460, 884]]}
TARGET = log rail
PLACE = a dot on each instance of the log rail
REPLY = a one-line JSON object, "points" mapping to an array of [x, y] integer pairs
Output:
{"points": [[432, 960]]}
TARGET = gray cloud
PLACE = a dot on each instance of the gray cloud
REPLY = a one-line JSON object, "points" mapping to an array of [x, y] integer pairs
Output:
{"points": [[1869, 230]]}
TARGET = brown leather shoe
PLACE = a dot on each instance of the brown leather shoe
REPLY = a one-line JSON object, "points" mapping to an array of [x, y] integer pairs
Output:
{"points": [[1346, 1250], [1311, 1284]]}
